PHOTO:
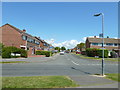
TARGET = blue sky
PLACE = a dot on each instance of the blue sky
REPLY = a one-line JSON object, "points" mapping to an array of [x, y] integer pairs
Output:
{"points": [[62, 22]]}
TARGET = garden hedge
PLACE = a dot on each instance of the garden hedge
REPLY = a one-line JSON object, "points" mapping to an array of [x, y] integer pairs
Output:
{"points": [[91, 52], [46, 53], [6, 52]]}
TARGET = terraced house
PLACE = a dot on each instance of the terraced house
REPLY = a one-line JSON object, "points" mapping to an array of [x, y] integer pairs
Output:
{"points": [[111, 44], [12, 36]]}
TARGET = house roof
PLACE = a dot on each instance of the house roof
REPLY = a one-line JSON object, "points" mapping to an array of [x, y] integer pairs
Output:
{"points": [[23, 33], [106, 40]]}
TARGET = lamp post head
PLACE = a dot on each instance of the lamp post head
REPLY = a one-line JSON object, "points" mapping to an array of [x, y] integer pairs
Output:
{"points": [[97, 14]]}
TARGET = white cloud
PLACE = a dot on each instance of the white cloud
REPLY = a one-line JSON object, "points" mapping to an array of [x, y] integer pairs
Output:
{"points": [[67, 44], [51, 41]]}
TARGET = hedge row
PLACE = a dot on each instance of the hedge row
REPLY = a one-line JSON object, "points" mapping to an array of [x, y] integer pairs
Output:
{"points": [[46, 53], [6, 52], [91, 52]]}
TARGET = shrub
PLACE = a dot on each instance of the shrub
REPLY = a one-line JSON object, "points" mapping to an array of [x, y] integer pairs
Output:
{"points": [[91, 52], [46, 53], [6, 52], [105, 53], [83, 52], [1, 46], [113, 54]]}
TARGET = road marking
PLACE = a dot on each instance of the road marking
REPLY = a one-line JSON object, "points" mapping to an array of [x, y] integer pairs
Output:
{"points": [[74, 63], [91, 64]]}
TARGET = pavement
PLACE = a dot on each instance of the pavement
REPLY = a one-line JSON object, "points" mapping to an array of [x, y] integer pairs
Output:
{"points": [[92, 81], [80, 70]]}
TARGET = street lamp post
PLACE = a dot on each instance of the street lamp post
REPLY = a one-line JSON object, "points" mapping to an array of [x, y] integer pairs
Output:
{"points": [[102, 41]]}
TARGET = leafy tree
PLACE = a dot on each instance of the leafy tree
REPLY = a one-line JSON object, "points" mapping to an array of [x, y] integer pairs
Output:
{"points": [[63, 48], [1, 46], [57, 48], [81, 46], [68, 49]]}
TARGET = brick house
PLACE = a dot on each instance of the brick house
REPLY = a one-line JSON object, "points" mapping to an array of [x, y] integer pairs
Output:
{"points": [[12, 36], [110, 44]]}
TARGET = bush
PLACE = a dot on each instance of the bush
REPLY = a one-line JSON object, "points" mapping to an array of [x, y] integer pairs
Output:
{"points": [[113, 54], [46, 53], [83, 52], [92, 52], [6, 52], [1, 46], [105, 53]]}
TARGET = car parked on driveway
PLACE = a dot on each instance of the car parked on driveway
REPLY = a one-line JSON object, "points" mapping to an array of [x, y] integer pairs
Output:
{"points": [[61, 53]]}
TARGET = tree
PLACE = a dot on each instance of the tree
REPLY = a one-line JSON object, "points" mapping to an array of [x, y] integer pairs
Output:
{"points": [[1, 46], [63, 48], [68, 49], [81, 46], [57, 48]]}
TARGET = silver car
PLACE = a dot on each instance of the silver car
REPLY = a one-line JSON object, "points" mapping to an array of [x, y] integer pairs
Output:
{"points": [[61, 53]]}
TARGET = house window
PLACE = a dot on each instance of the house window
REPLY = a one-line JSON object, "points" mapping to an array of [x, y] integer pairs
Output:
{"points": [[96, 44], [30, 40], [24, 37], [45, 44], [118, 44], [36, 42], [109, 44], [115, 44], [99, 44]]}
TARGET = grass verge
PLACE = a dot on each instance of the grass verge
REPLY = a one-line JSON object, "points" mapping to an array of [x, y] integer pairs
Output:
{"points": [[93, 58], [113, 76], [13, 62], [38, 82]]}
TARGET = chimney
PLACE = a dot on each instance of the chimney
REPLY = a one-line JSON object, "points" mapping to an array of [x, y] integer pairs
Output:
{"points": [[24, 30], [39, 37], [94, 36]]}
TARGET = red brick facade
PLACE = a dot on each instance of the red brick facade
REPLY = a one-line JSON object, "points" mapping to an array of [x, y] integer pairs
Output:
{"points": [[89, 42], [12, 36]]}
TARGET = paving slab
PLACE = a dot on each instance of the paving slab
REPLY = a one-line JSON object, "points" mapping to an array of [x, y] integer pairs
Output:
{"points": [[90, 81]]}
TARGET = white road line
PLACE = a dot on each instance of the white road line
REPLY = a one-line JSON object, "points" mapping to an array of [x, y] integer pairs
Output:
{"points": [[74, 63], [91, 64]]}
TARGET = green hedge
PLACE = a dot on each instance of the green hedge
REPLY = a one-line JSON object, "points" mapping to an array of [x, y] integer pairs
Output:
{"points": [[46, 53], [91, 52], [6, 52]]}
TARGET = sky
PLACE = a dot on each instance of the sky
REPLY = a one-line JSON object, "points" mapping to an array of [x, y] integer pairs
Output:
{"points": [[62, 23]]}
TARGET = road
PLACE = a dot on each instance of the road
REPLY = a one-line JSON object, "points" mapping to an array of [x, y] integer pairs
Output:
{"points": [[68, 64]]}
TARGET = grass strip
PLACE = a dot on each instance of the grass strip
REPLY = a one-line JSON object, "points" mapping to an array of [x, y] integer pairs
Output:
{"points": [[93, 58], [113, 76], [13, 62], [38, 82]]}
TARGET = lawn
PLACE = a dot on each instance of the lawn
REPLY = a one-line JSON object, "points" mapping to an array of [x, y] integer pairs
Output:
{"points": [[13, 62], [93, 58], [38, 82], [113, 76]]}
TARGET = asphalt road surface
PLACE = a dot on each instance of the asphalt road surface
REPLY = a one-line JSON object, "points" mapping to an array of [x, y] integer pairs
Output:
{"points": [[68, 64]]}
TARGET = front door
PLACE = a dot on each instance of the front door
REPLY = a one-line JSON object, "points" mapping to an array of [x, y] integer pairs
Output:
{"points": [[33, 50]]}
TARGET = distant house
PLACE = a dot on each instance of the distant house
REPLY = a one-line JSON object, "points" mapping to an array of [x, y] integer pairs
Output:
{"points": [[111, 44], [12, 36]]}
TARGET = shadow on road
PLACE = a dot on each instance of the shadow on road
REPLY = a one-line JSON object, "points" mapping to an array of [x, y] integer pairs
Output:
{"points": [[80, 70]]}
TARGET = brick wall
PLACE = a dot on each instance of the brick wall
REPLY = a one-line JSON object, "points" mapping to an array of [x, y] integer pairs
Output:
{"points": [[11, 37]]}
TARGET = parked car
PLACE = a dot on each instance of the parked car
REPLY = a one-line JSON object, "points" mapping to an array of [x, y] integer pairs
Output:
{"points": [[61, 53], [78, 52], [66, 51]]}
